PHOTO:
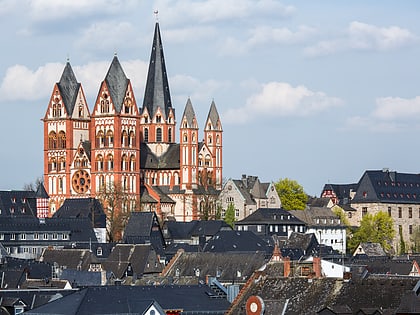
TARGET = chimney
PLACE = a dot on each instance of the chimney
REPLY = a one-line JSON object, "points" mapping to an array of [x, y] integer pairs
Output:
{"points": [[286, 266], [317, 267]]}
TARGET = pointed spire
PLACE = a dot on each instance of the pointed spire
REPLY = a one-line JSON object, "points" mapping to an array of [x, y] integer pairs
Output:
{"points": [[189, 114], [213, 116], [117, 83], [69, 87], [157, 87], [41, 192]]}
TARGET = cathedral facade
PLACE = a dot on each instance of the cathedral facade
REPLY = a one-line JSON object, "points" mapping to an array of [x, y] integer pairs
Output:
{"points": [[119, 145]]}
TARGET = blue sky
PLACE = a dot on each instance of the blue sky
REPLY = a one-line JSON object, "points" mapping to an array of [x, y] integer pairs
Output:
{"points": [[316, 91]]}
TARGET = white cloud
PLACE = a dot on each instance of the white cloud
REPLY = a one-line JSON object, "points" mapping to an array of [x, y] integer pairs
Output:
{"points": [[206, 11], [262, 35], [280, 99], [368, 123], [397, 108], [190, 34], [361, 37], [21, 83]]}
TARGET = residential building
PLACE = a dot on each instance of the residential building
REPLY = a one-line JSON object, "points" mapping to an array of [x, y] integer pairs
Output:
{"points": [[267, 222], [247, 195], [325, 225], [86, 151], [24, 203]]}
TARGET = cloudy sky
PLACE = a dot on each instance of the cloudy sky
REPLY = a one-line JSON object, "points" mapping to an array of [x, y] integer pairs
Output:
{"points": [[316, 91]]}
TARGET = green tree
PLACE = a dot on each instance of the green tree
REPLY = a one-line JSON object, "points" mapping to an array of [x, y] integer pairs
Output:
{"points": [[230, 215], [292, 194], [378, 228], [415, 240], [402, 242]]}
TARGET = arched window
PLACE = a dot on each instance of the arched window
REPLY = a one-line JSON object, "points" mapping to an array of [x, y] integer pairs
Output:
{"points": [[146, 135], [110, 162], [100, 139], [101, 182], [54, 110], [52, 140], [61, 140], [124, 163], [170, 135], [99, 162], [61, 164], [124, 138], [109, 140], [132, 163], [58, 110], [158, 119], [102, 106], [132, 139], [159, 135], [185, 137]]}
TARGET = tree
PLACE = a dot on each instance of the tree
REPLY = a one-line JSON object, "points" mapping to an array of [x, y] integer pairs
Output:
{"points": [[230, 215], [377, 228], [292, 194], [33, 186], [415, 240], [115, 203]]}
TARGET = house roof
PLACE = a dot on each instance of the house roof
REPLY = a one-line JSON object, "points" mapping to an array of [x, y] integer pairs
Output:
{"points": [[157, 94], [168, 160], [177, 230], [342, 191], [271, 216], [237, 241], [83, 208], [370, 249], [41, 192], [318, 216], [388, 187], [17, 203], [131, 299], [76, 259]]}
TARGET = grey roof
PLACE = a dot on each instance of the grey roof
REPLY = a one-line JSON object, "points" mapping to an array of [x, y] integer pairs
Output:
{"points": [[83, 208], [157, 92], [189, 115], [169, 160], [213, 117], [270, 216], [41, 192], [68, 87], [17, 203], [251, 188], [388, 187], [372, 249], [318, 216], [81, 278], [195, 299], [342, 191], [117, 83], [76, 259]]}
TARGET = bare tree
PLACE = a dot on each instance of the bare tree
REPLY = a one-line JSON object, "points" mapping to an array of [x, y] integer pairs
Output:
{"points": [[33, 186], [116, 204]]}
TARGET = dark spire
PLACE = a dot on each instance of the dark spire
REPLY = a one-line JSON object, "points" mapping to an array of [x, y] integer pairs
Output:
{"points": [[189, 115], [117, 83], [213, 116], [157, 87], [41, 192], [69, 87]]}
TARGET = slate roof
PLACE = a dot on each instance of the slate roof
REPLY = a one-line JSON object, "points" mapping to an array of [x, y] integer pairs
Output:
{"points": [[117, 83], [141, 258], [370, 250], [157, 92], [318, 216], [41, 192], [237, 241], [342, 191], [76, 259], [213, 117], [196, 299], [68, 87], [81, 278], [83, 208], [270, 216], [388, 187], [17, 203], [176, 230], [223, 265], [14, 271], [189, 115], [168, 160], [308, 297]]}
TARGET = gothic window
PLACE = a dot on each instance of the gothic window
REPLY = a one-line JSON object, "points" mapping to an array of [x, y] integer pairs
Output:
{"points": [[99, 163], [100, 139], [209, 139], [101, 182], [146, 135], [146, 119], [217, 139], [207, 161], [110, 162], [102, 106], [124, 138], [124, 163], [54, 110], [84, 162], [132, 163], [159, 135], [58, 110], [60, 184], [109, 140], [128, 105], [131, 139], [62, 164], [170, 135], [185, 137], [52, 140], [61, 140], [80, 111], [158, 119]]}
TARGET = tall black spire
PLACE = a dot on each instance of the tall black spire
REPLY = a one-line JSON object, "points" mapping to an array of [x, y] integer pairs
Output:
{"points": [[157, 87], [69, 87]]}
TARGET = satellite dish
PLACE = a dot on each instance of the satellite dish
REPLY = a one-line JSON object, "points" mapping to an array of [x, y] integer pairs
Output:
{"points": [[255, 305]]}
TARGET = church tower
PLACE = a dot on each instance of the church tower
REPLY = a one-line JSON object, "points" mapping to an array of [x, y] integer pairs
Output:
{"points": [[157, 115], [213, 133], [189, 148], [115, 145], [66, 126]]}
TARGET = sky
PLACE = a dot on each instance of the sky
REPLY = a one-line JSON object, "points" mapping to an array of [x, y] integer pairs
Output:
{"points": [[315, 91]]}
